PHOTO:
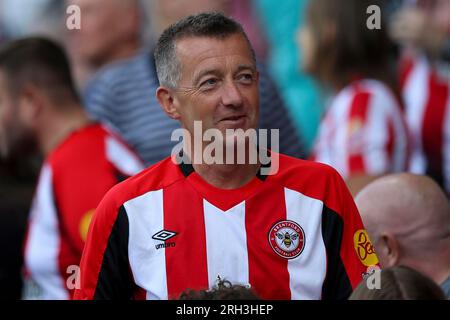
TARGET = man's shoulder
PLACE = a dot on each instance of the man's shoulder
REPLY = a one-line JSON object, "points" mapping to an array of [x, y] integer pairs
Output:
{"points": [[290, 165], [93, 152], [316, 180], [79, 145], [153, 178]]}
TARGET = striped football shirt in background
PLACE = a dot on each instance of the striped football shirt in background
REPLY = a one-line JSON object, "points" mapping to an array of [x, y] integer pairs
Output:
{"points": [[363, 131]]}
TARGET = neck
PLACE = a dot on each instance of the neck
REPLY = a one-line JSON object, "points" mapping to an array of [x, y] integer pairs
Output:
{"points": [[57, 126], [442, 264], [227, 176], [435, 264]]}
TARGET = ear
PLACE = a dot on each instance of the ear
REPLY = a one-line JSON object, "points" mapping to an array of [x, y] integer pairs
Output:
{"points": [[391, 250], [31, 103], [167, 102]]}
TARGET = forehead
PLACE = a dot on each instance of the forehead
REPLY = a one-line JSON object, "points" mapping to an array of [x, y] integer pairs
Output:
{"points": [[196, 53]]}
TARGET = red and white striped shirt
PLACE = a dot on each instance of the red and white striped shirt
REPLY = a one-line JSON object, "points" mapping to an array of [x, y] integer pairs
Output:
{"points": [[425, 89], [73, 180], [363, 131], [293, 235]]}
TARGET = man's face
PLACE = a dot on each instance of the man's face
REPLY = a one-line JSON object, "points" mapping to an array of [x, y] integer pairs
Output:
{"points": [[218, 84], [105, 24], [14, 137]]}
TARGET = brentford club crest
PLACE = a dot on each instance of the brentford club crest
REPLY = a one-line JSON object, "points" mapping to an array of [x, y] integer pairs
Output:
{"points": [[287, 239]]}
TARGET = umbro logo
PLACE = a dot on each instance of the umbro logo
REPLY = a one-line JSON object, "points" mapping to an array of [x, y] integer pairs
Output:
{"points": [[164, 235]]}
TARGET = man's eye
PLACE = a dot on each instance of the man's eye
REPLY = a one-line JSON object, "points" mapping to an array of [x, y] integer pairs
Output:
{"points": [[246, 78], [209, 83]]}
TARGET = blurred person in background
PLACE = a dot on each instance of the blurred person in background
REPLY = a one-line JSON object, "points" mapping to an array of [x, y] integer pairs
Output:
{"points": [[20, 17], [17, 174], [164, 13], [110, 31], [40, 107], [123, 95], [422, 29], [303, 97], [408, 220], [17, 180], [400, 283], [423, 25], [363, 133]]}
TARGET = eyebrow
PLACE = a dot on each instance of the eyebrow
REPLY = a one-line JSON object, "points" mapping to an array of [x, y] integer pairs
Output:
{"points": [[252, 68]]}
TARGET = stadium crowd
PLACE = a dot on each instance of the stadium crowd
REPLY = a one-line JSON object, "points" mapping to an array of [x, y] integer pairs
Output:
{"points": [[360, 94]]}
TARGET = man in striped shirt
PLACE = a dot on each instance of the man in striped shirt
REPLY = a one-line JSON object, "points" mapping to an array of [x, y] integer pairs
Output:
{"points": [[110, 31], [425, 84], [425, 88], [288, 228], [363, 134], [38, 103]]}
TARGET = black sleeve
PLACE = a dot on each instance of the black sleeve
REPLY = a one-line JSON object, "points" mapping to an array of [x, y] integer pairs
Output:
{"points": [[115, 280], [337, 283]]}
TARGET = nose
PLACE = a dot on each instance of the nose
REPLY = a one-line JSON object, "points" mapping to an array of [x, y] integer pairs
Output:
{"points": [[231, 95]]}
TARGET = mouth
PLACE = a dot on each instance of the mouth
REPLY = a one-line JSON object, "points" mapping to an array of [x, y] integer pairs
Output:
{"points": [[233, 120]]}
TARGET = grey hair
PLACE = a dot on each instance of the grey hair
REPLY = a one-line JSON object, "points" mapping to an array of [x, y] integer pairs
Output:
{"points": [[212, 24], [168, 67]]}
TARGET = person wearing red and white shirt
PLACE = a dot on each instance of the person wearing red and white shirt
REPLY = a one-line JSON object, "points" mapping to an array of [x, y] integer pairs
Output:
{"points": [[288, 228], [425, 88], [74, 178], [423, 29], [82, 161], [363, 133]]}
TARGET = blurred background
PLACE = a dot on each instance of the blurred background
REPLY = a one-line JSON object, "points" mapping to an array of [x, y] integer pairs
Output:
{"points": [[114, 33]]}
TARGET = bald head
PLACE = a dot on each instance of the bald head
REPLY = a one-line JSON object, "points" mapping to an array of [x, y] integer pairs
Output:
{"points": [[411, 209]]}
